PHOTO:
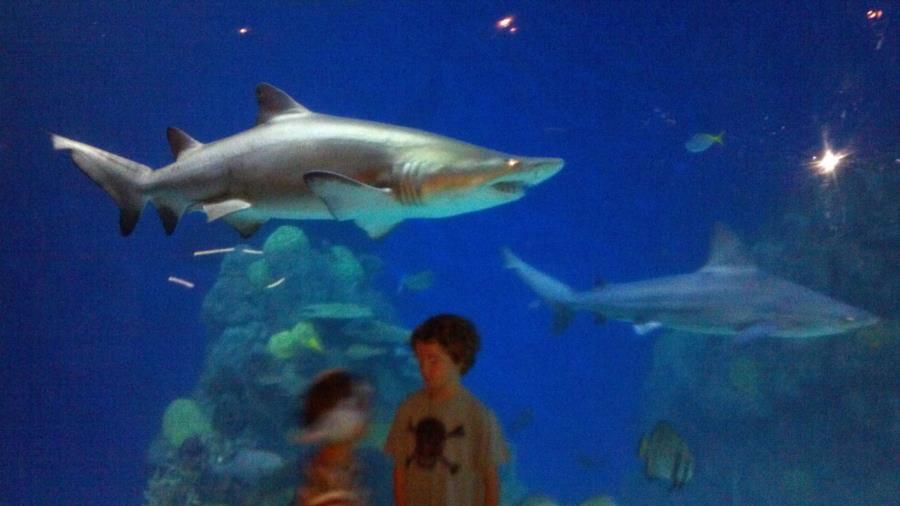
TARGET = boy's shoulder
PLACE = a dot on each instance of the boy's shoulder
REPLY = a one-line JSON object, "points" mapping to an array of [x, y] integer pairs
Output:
{"points": [[414, 398], [464, 396]]}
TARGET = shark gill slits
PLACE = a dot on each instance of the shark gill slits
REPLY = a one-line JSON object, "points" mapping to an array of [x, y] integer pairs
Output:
{"points": [[402, 193], [409, 193], [415, 193]]}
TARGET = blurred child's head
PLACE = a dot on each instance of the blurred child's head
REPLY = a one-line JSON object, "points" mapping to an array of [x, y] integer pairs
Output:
{"points": [[335, 408], [445, 345]]}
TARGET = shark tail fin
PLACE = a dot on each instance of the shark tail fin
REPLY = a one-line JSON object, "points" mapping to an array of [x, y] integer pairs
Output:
{"points": [[554, 293], [120, 177]]}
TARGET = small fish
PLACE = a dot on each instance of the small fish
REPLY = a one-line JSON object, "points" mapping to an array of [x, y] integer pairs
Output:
{"points": [[363, 352], [701, 142], [249, 465], [179, 281], [278, 282], [523, 419], [216, 251], [335, 311], [666, 456], [312, 342], [417, 282]]}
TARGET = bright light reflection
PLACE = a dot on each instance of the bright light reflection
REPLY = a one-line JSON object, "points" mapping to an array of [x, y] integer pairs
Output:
{"points": [[506, 24], [828, 163], [243, 30]]}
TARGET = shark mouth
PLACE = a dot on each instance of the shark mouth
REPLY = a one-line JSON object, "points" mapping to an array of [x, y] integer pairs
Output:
{"points": [[512, 187]]}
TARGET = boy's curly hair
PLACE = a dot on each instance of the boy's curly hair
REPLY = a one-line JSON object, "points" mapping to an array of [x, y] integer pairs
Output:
{"points": [[457, 335]]}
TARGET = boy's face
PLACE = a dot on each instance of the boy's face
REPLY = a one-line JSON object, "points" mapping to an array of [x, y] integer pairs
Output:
{"points": [[437, 368]]}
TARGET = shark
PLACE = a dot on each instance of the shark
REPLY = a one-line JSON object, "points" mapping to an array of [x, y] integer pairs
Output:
{"points": [[298, 164], [728, 296]]}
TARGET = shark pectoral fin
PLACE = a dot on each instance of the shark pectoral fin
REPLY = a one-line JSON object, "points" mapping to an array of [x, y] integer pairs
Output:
{"points": [[378, 227], [756, 331], [245, 225], [642, 329], [216, 210], [373, 209]]}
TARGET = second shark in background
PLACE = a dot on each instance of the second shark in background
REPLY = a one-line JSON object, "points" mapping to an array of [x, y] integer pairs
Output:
{"points": [[729, 295]]}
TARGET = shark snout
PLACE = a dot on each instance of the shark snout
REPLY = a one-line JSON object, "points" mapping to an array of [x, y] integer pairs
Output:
{"points": [[539, 170], [527, 172]]}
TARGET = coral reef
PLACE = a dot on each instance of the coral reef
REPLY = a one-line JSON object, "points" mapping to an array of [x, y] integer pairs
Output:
{"points": [[276, 319]]}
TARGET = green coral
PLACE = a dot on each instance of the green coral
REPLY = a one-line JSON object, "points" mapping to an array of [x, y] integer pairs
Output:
{"points": [[258, 274], [182, 419], [345, 267], [289, 343], [284, 249], [286, 238]]}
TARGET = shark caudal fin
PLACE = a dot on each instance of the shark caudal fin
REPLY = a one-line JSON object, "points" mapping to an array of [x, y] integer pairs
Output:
{"points": [[555, 293], [120, 177]]}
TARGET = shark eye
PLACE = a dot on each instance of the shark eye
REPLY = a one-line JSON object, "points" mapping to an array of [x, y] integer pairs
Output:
{"points": [[512, 162]]}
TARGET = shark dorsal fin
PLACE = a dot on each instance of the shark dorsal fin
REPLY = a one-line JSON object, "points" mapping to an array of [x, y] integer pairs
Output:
{"points": [[180, 142], [727, 251], [274, 102]]}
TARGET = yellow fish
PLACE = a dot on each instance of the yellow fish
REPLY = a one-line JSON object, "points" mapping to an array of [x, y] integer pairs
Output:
{"points": [[699, 143], [312, 342]]}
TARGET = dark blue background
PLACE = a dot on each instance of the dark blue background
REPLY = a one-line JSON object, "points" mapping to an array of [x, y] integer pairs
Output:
{"points": [[95, 343]]}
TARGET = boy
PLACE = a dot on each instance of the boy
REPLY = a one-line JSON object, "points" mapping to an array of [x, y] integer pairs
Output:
{"points": [[335, 415], [445, 443]]}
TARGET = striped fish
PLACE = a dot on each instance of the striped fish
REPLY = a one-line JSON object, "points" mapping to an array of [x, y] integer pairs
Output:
{"points": [[666, 456]]}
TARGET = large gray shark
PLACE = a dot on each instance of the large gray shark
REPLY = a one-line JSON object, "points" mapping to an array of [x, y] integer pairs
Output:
{"points": [[727, 296], [297, 164]]}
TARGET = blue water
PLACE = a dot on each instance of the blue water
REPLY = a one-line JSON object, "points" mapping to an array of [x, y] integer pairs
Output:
{"points": [[95, 343]]}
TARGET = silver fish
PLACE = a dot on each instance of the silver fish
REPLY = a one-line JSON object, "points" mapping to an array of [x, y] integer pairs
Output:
{"points": [[249, 465]]}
